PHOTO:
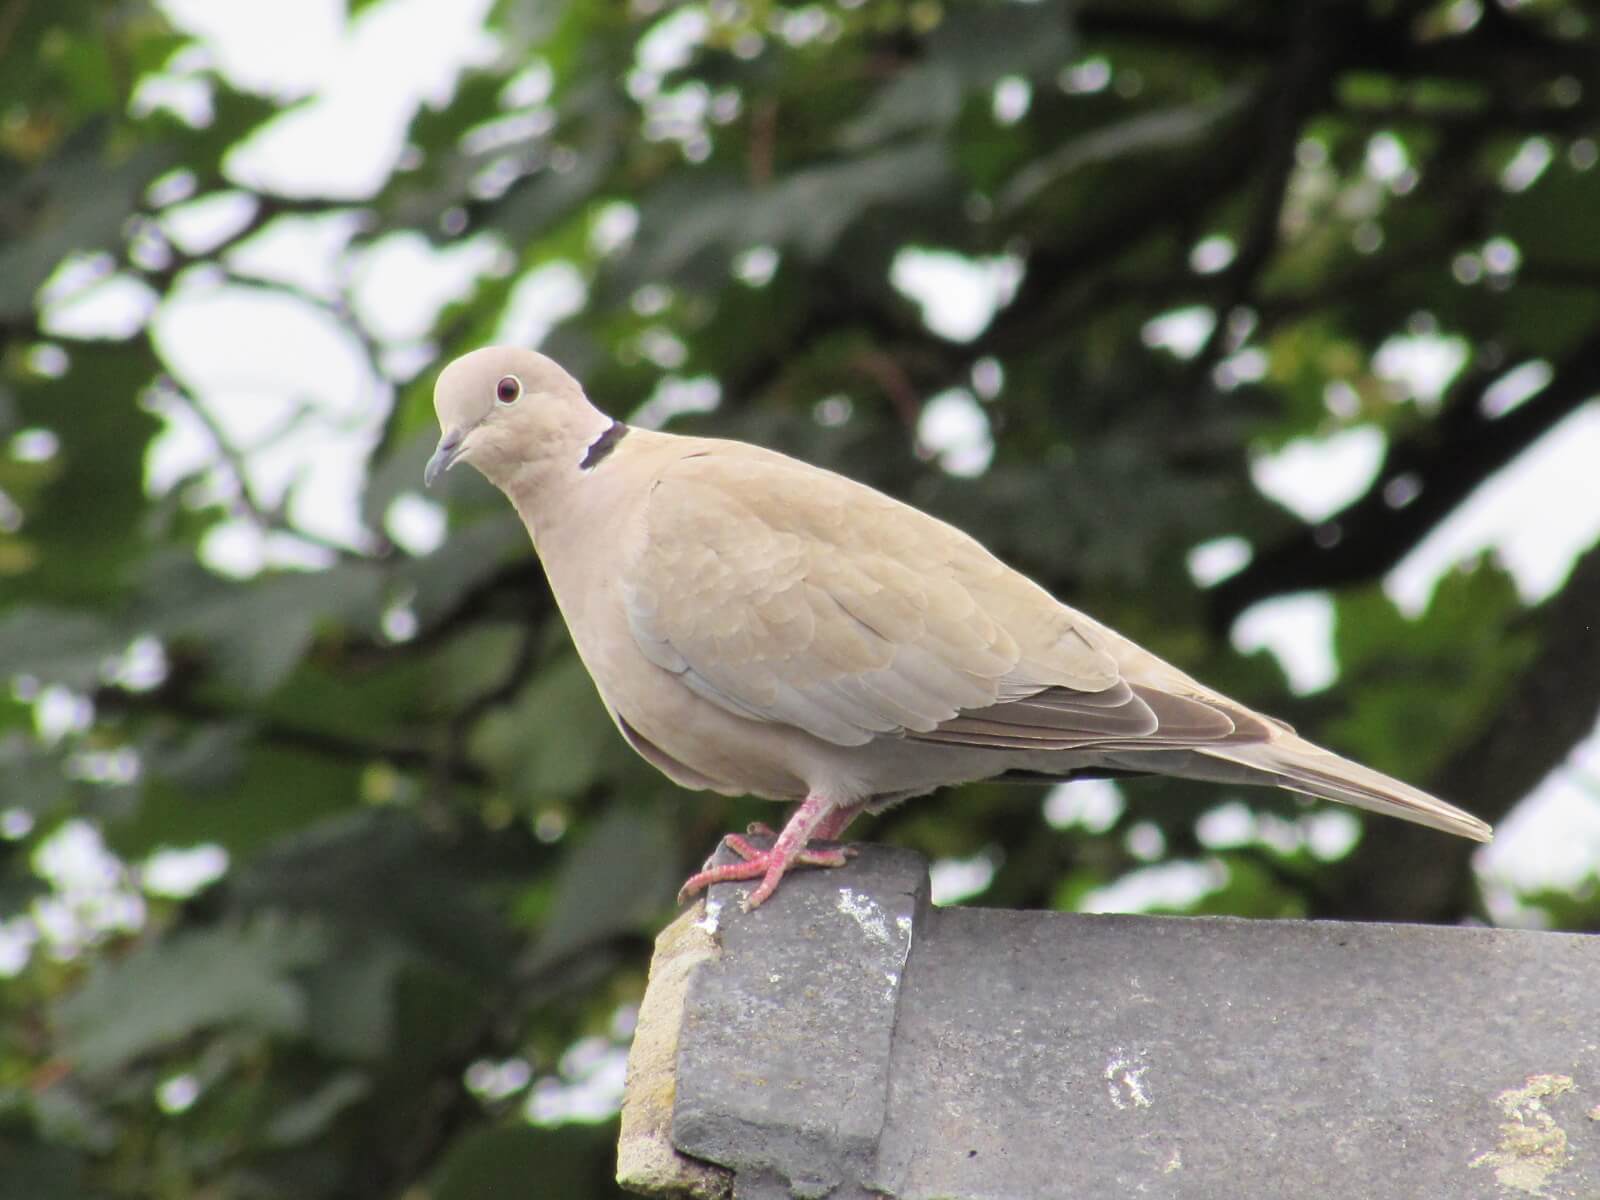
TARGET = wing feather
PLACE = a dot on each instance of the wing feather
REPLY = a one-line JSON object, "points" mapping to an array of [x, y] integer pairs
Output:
{"points": [[788, 594]]}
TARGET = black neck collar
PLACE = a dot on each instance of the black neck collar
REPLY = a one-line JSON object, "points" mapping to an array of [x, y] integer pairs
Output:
{"points": [[603, 445]]}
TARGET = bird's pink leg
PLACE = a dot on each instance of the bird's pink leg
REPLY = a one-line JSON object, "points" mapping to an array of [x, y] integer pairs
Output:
{"points": [[816, 818], [831, 826], [827, 830]]}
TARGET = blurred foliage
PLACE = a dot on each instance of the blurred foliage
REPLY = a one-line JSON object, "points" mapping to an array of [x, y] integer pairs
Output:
{"points": [[443, 867]]}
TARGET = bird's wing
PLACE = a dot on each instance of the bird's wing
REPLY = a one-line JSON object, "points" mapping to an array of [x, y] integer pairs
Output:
{"points": [[787, 594]]}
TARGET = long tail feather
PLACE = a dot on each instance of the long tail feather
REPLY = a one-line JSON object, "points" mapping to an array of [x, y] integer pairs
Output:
{"points": [[1292, 762]]}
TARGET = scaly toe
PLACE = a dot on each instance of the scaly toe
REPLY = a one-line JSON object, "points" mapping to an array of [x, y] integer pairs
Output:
{"points": [[741, 846], [751, 868], [825, 856], [766, 865]]}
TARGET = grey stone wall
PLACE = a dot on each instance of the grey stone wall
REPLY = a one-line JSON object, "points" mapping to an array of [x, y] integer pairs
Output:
{"points": [[849, 1040]]}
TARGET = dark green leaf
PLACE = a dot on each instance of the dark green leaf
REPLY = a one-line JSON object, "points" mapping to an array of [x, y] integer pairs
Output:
{"points": [[236, 977]]}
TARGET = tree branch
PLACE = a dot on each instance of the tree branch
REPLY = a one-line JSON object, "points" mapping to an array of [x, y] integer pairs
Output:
{"points": [[1406, 872], [176, 701], [1300, 88], [1498, 44], [1443, 462]]}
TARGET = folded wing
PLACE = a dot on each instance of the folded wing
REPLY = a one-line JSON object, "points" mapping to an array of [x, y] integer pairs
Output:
{"points": [[787, 594]]}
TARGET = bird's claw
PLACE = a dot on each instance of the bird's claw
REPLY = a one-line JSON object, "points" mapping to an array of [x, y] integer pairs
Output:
{"points": [[765, 864]]}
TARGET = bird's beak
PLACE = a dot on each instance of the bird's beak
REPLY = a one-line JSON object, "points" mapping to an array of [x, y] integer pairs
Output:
{"points": [[443, 455]]}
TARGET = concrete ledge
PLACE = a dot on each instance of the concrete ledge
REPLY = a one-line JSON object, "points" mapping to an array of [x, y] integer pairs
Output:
{"points": [[647, 1162], [848, 1040]]}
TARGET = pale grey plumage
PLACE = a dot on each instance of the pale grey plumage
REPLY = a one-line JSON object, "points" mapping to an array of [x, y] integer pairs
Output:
{"points": [[758, 625]]}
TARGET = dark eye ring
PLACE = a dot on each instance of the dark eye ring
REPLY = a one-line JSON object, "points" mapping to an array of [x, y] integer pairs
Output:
{"points": [[507, 390]]}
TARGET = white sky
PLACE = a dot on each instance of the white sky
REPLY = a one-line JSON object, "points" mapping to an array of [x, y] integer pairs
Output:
{"points": [[252, 355]]}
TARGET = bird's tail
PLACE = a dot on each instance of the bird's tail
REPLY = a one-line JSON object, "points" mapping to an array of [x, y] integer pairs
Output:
{"points": [[1289, 761]]}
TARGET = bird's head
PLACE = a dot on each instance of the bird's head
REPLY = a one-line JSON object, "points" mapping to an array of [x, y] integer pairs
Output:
{"points": [[505, 409]]}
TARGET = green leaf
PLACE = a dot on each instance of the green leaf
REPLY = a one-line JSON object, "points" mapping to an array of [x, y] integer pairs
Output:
{"points": [[492, 1164], [917, 98], [170, 988], [985, 42], [1552, 221], [541, 201], [57, 645], [629, 843], [87, 519], [255, 633], [1424, 685], [199, 760], [33, 775], [470, 556], [971, 49], [556, 738], [687, 220], [378, 875], [273, 789], [398, 472], [310, 1118], [1171, 130], [352, 999], [40, 1171], [76, 200]]}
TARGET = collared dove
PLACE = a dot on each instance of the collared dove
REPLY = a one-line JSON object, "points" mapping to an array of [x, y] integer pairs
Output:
{"points": [[759, 626]]}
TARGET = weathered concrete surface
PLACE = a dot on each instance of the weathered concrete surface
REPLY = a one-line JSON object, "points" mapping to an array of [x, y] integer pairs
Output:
{"points": [[820, 978], [647, 1162], [850, 1041]]}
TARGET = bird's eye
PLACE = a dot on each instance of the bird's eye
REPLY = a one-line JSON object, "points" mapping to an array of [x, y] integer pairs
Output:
{"points": [[508, 389]]}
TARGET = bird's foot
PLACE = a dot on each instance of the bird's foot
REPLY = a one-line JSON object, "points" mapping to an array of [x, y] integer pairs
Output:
{"points": [[768, 865], [811, 856]]}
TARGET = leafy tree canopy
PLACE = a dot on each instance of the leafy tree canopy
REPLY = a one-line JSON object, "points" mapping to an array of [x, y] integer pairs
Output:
{"points": [[323, 873]]}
